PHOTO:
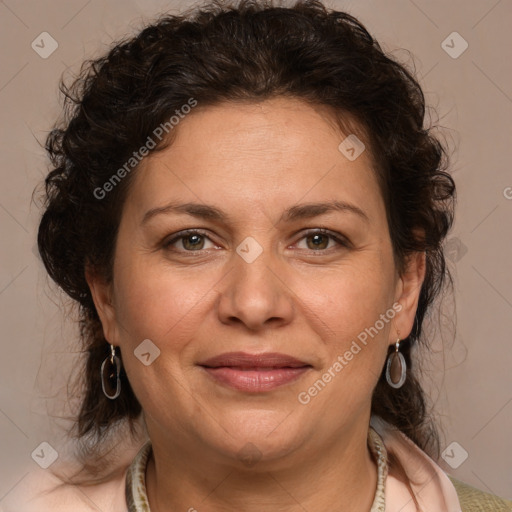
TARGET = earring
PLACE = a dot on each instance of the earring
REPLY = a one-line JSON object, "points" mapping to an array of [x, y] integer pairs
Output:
{"points": [[396, 368], [110, 369]]}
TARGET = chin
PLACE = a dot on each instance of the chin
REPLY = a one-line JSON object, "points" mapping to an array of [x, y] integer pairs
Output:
{"points": [[256, 435]]}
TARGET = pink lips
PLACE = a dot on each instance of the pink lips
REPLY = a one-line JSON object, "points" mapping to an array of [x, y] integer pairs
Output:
{"points": [[254, 373]]}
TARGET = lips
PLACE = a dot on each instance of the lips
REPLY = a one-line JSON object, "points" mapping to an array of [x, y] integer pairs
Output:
{"points": [[245, 361], [254, 373]]}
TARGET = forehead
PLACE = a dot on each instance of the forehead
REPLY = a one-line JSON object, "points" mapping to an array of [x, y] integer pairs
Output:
{"points": [[265, 155]]}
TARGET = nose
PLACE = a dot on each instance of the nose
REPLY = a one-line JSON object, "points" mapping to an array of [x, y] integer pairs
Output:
{"points": [[255, 293]]}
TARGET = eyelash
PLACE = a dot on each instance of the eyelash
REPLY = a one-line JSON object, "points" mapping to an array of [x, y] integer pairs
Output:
{"points": [[183, 234]]}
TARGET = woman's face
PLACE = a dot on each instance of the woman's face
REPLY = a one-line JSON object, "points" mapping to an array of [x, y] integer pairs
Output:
{"points": [[258, 278]]}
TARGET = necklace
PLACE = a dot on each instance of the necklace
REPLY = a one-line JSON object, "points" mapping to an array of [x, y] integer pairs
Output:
{"points": [[137, 499]]}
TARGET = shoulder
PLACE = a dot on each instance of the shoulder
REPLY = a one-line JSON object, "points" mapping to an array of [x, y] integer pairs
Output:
{"points": [[441, 485], [474, 500], [42, 491]]}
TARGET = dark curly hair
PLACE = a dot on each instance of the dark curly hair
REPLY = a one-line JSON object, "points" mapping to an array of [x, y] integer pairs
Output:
{"points": [[249, 51]]}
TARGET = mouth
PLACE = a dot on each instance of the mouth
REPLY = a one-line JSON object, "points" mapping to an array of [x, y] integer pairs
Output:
{"points": [[254, 373]]}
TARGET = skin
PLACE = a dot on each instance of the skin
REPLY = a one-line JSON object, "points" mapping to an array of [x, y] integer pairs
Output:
{"points": [[253, 161]]}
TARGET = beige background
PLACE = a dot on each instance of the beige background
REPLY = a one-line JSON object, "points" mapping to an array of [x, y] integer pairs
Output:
{"points": [[469, 375]]}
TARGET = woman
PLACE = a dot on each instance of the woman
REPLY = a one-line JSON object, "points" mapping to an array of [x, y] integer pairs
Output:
{"points": [[250, 214]]}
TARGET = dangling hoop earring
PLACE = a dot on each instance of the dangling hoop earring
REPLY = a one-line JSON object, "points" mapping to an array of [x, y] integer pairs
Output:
{"points": [[396, 368], [110, 369]]}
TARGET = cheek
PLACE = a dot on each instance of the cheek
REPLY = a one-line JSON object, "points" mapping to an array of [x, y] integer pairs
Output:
{"points": [[354, 308], [157, 302], [350, 299], [354, 345]]}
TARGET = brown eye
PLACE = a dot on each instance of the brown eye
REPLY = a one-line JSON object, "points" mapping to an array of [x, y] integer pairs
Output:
{"points": [[191, 240], [318, 240]]}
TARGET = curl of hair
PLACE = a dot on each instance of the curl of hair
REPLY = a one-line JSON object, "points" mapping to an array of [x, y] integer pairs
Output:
{"points": [[250, 51]]}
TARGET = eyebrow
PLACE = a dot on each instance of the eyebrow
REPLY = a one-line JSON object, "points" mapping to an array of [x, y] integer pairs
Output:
{"points": [[298, 212]]}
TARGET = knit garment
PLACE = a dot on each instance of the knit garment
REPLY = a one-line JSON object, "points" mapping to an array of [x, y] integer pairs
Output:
{"points": [[475, 500], [137, 499]]}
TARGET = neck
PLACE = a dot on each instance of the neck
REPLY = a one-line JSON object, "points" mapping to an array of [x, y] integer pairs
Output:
{"points": [[342, 476]]}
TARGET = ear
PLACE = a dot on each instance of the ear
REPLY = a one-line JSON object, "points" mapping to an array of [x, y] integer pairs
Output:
{"points": [[102, 295], [408, 294]]}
